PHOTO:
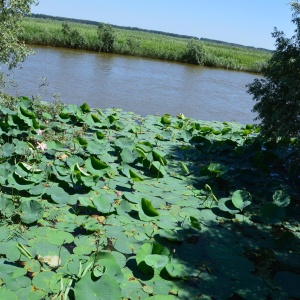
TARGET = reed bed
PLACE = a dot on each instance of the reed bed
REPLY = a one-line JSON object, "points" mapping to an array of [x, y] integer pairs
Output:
{"points": [[144, 44]]}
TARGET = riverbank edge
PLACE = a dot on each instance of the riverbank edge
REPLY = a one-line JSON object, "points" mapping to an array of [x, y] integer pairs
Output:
{"points": [[47, 32]]}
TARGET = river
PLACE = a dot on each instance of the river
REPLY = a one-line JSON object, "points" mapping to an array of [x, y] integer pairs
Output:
{"points": [[143, 86]]}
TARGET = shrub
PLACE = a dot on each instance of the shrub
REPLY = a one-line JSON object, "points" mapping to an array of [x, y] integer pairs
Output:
{"points": [[278, 93]]}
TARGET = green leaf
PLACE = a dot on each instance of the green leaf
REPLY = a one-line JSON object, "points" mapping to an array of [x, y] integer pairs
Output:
{"points": [[96, 166], [146, 250], [156, 261], [176, 270], [81, 141], [18, 283], [102, 204], [148, 209], [281, 198], [195, 223], [58, 237], [42, 279], [106, 288], [157, 169], [241, 199], [31, 211], [129, 155], [217, 169], [134, 176], [85, 108], [165, 119], [27, 113], [7, 294], [95, 118], [58, 195]]}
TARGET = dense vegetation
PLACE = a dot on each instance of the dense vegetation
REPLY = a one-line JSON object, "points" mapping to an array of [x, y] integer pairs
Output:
{"points": [[12, 51], [109, 205], [42, 16], [145, 44], [278, 93]]}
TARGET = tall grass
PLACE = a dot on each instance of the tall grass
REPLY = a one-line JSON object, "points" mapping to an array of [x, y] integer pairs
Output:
{"points": [[145, 44]]}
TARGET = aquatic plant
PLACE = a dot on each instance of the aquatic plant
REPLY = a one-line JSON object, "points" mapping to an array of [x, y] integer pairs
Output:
{"points": [[124, 207]]}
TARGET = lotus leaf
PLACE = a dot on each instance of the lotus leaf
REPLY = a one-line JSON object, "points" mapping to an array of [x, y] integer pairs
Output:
{"points": [[156, 261], [31, 211], [8, 294], [106, 288], [148, 209], [41, 281], [151, 249], [281, 198], [96, 166]]}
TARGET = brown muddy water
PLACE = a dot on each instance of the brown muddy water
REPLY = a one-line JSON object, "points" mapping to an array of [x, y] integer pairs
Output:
{"points": [[143, 86]]}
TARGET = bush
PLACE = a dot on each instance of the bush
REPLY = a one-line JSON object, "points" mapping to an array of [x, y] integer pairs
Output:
{"points": [[278, 94], [195, 53], [72, 37], [12, 51], [106, 38]]}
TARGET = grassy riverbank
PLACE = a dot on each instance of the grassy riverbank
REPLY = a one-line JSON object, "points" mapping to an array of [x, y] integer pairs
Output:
{"points": [[131, 42], [111, 205]]}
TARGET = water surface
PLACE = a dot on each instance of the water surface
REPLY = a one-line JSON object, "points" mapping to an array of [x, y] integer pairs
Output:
{"points": [[143, 86]]}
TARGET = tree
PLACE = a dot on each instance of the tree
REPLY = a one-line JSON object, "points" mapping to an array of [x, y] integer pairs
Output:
{"points": [[12, 51], [278, 94], [72, 37], [106, 37]]}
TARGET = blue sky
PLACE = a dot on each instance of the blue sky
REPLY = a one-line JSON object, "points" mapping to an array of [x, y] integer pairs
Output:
{"points": [[246, 22]]}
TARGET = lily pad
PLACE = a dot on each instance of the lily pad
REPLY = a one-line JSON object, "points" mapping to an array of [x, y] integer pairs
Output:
{"points": [[106, 288]]}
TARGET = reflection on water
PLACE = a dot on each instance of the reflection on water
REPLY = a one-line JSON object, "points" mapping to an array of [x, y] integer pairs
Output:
{"points": [[141, 85]]}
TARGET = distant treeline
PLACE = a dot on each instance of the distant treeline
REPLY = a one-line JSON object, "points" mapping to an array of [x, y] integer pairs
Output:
{"points": [[182, 36], [233, 44], [42, 16]]}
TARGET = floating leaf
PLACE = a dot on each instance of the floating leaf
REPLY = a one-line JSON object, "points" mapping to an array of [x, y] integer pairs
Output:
{"points": [[102, 204], [134, 176], [85, 108], [129, 155], [195, 223], [96, 166], [150, 249], [165, 119], [176, 270], [241, 199], [31, 211], [281, 198], [106, 288], [148, 209], [217, 169], [156, 261]]}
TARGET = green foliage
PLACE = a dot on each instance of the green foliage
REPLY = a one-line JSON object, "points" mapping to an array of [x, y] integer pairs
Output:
{"points": [[277, 94], [106, 37], [12, 50], [72, 37], [92, 206], [145, 44], [195, 53]]}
